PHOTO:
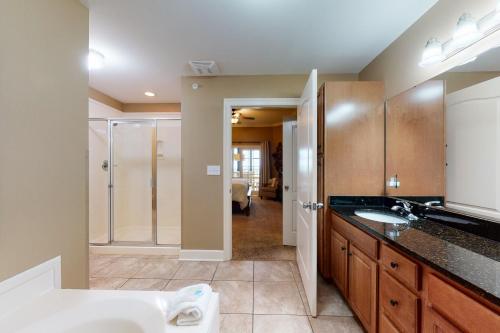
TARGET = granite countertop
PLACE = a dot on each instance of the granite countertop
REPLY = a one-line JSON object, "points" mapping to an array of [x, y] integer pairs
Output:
{"points": [[470, 259]]}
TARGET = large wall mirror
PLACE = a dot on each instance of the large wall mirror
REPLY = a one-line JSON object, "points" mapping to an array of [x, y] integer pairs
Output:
{"points": [[443, 139]]}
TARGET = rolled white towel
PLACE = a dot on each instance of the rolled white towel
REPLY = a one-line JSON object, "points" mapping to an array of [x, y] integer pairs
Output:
{"points": [[189, 304]]}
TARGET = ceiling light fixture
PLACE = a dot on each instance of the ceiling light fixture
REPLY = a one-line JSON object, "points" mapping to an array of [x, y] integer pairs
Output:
{"points": [[466, 31], [433, 52], [150, 94], [95, 60]]}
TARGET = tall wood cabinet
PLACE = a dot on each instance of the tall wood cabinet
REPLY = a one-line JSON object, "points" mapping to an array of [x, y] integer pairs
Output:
{"points": [[350, 148]]}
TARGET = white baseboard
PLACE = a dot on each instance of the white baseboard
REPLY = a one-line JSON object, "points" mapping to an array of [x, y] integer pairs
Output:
{"points": [[25, 286], [135, 250], [202, 255]]}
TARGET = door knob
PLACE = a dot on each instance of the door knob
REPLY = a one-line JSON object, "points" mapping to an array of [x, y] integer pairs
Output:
{"points": [[317, 205], [287, 187], [104, 165]]}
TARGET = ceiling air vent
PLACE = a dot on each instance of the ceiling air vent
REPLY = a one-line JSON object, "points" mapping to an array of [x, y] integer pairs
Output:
{"points": [[204, 67]]}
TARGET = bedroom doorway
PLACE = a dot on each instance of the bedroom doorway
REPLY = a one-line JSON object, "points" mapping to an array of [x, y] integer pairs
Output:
{"points": [[258, 182]]}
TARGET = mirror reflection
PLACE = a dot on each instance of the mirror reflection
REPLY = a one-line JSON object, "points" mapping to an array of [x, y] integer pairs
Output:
{"points": [[443, 139]]}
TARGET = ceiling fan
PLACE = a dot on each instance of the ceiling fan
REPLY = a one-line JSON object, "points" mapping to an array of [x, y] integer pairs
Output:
{"points": [[237, 116]]}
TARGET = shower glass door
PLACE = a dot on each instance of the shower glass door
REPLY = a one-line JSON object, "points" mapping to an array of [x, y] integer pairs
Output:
{"points": [[133, 180], [98, 182]]}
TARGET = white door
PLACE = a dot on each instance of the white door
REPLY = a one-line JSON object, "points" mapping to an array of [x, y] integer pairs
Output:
{"points": [[307, 189], [290, 182]]}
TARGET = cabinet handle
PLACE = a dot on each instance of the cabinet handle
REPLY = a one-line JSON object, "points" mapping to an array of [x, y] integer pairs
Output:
{"points": [[343, 248], [349, 253], [393, 302], [394, 264]]}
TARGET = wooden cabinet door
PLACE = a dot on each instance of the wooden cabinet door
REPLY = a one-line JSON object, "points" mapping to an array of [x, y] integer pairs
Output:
{"points": [[362, 285], [339, 261], [434, 323]]}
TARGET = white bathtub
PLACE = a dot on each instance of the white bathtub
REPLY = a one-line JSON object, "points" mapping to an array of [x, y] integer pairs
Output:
{"points": [[101, 311], [32, 303]]}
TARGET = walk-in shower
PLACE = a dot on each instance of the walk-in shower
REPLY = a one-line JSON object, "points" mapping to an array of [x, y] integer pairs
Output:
{"points": [[135, 182]]}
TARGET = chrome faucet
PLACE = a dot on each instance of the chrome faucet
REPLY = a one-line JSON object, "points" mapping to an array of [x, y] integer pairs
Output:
{"points": [[405, 209], [433, 203]]}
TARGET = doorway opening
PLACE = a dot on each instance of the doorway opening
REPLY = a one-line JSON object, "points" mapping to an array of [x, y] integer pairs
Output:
{"points": [[258, 166]]}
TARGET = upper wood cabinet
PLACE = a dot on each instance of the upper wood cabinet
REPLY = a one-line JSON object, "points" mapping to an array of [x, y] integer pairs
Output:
{"points": [[415, 141], [353, 138]]}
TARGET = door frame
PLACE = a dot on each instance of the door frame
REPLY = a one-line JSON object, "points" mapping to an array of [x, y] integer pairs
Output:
{"points": [[289, 165], [229, 104]]}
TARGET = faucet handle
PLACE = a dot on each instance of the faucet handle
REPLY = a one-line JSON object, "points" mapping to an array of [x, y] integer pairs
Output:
{"points": [[406, 204], [434, 203]]}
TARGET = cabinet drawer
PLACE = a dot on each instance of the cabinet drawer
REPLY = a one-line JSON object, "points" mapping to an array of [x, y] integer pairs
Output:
{"points": [[362, 240], [386, 325], [468, 314], [399, 303], [401, 267]]}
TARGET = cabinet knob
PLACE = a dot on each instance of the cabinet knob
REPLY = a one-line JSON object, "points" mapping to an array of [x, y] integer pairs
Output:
{"points": [[349, 253], [394, 264], [393, 302], [343, 248]]}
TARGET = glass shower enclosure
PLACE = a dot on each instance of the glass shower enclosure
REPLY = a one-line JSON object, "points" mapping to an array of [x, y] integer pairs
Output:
{"points": [[133, 166]]}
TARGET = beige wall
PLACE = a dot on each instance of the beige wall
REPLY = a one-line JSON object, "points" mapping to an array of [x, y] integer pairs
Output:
{"points": [[105, 99], [459, 80], [202, 206], [152, 107], [398, 66], [43, 137]]}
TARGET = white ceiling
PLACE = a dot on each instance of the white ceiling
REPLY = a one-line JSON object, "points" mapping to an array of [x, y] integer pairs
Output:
{"points": [[148, 43]]}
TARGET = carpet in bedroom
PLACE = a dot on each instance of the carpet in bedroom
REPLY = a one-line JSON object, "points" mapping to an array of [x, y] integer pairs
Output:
{"points": [[260, 235]]}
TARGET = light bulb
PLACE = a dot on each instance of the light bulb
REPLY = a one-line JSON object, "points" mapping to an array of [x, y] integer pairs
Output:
{"points": [[466, 31], [433, 52], [150, 94]]}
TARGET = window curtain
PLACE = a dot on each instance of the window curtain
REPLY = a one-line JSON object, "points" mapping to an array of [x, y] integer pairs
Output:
{"points": [[265, 164]]}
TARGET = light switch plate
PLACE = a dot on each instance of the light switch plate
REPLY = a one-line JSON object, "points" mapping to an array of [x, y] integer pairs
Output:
{"points": [[213, 170]]}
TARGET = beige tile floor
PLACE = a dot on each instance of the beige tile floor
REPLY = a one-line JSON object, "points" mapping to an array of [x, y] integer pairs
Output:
{"points": [[255, 296]]}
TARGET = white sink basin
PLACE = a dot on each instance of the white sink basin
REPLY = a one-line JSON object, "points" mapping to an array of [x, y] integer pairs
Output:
{"points": [[378, 216]]}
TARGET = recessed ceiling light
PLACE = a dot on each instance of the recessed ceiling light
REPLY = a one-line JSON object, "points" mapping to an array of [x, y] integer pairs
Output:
{"points": [[95, 60], [150, 94]]}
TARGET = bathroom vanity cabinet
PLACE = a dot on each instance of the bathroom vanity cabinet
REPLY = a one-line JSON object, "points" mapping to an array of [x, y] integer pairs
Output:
{"points": [[346, 166], [390, 291]]}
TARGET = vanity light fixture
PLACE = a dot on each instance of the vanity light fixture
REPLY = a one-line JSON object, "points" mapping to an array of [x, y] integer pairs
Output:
{"points": [[150, 94], [95, 60], [433, 52], [496, 18], [466, 31]]}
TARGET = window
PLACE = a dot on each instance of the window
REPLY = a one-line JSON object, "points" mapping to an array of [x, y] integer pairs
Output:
{"points": [[246, 164]]}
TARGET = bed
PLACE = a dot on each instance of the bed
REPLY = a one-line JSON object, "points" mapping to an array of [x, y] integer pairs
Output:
{"points": [[241, 194]]}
